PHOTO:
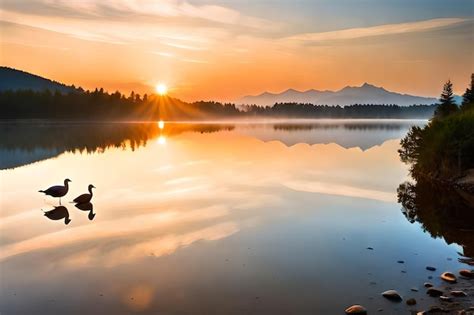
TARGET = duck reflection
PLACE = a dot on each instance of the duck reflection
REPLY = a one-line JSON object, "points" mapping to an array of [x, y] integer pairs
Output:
{"points": [[58, 213], [443, 212], [87, 207]]}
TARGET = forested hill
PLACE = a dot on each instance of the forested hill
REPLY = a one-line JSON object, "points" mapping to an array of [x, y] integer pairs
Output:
{"points": [[13, 79]]}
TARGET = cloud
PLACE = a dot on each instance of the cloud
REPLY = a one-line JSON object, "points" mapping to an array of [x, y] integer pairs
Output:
{"points": [[175, 24], [126, 10], [379, 30], [182, 46]]}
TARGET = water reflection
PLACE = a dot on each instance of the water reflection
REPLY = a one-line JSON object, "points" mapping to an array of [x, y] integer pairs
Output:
{"points": [[442, 211], [31, 142], [216, 222], [58, 213], [87, 207], [349, 133]]}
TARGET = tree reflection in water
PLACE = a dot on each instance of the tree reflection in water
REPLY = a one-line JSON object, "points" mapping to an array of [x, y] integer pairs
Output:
{"points": [[442, 211], [31, 142]]}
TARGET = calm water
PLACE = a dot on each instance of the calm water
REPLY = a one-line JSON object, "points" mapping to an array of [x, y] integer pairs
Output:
{"points": [[229, 218]]}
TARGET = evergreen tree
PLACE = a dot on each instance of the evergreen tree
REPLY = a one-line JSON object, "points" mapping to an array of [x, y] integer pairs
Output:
{"points": [[447, 105], [468, 96]]}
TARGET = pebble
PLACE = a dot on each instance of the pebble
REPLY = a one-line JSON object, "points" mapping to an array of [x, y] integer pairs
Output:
{"points": [[400, 262], [430, 268], [434, 292], [370, 248], [428, 285], [356, 309], [458, 293], [448, 277], [466, 273], [411, 301], [392, 295], [436, 309], [414, 289], [445, 298]]}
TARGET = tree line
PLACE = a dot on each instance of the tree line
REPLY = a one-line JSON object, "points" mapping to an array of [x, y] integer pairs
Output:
{"points": [[98, 104], [443, 149]]}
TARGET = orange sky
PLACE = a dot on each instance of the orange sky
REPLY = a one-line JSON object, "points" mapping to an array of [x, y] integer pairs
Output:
{"points": [[226, 50]]}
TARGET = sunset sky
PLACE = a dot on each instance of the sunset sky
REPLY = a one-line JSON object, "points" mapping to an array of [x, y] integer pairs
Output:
{"points": [[223, 50]]}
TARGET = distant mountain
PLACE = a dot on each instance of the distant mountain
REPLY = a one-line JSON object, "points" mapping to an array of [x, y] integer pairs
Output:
{"points": [[364, 94], [13, 79]]}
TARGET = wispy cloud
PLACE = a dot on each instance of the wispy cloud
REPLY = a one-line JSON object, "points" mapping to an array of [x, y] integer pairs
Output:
{"points": [[379, 30], [183, 46], [120, 10], [178, 58]]}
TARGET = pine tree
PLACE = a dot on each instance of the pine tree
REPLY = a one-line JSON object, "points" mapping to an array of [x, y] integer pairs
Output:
{"points": [[447, 105], [468, 96]]}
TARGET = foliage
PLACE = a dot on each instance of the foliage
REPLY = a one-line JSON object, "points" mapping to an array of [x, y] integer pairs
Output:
{"points": [[444, 148], [100, 105], [447, 105], [468, 96]]}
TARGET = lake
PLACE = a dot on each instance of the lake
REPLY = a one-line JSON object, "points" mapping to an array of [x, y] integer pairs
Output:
{"points": [[262, 217]]}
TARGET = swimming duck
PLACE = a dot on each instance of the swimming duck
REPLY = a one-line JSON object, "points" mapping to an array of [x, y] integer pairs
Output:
{"points": [[57, 191], [85, 198]]}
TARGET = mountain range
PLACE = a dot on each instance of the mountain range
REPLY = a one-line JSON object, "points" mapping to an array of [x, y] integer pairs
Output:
{"points": [[364, 94]]}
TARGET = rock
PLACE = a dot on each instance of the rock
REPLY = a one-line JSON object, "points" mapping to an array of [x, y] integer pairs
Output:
{"points": [[356, 309], [436, 309], [458, 293], [434, 292], [448, 277], [370, 248], [445, 298], [414, 289], [466, 273], [392, 295], [430, 277], [400, 262], [430, 268], [411, 301], [427, 285]]}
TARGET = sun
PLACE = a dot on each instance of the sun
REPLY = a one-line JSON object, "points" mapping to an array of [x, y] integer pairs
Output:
{"points": [[161, 89]]}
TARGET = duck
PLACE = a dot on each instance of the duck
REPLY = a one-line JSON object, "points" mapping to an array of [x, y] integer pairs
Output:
{"points": [[87, 207], [58, 213], [57, 191], [84, 198]]}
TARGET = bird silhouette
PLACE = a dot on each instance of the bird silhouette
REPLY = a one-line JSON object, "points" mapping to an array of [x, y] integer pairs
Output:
{"points": [[58, 213], [57, 191], [84, 198], [87, 207]]}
